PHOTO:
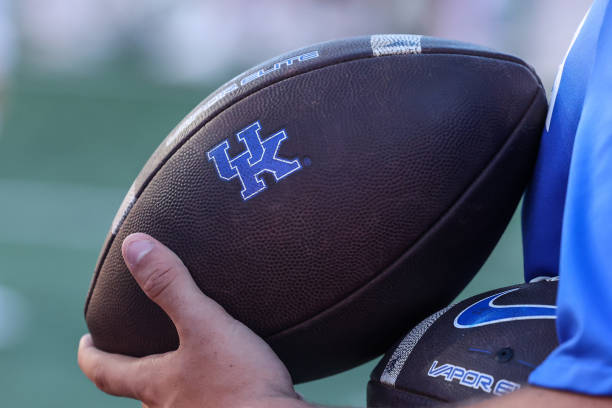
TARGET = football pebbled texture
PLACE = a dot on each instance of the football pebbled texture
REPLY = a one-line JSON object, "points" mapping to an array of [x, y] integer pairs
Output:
{"points": [[484, 346], [331, 197]]}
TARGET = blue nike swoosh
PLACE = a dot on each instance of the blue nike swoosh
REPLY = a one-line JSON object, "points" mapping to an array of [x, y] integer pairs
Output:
{"points": [[485, 312]]}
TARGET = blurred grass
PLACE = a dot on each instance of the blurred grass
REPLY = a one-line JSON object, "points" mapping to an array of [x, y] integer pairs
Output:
{"points": [[69, 149], [96, 131]]}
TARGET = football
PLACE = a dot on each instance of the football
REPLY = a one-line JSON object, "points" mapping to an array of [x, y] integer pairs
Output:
{"points": [[330, 197], [484, 346]]}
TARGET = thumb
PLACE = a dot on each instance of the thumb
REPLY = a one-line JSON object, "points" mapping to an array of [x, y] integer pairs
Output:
{"points": [[167, 282]]}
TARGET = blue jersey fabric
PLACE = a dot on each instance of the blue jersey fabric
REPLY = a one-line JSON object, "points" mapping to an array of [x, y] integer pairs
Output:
{"points": [[567, 215]]}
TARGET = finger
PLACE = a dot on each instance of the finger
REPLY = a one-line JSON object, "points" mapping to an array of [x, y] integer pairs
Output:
{"points": [[114, 374], [166, 281]]}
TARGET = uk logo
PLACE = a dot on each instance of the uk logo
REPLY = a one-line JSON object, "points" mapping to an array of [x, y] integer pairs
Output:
{"points": [[260, 157]]}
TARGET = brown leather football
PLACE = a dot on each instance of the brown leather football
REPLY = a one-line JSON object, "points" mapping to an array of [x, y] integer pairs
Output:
{"points": [[331, 197], [484, 346]]}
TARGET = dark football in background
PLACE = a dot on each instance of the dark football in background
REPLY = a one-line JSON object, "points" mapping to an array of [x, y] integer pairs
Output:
{"points": [[414, 153], [418, 370]]}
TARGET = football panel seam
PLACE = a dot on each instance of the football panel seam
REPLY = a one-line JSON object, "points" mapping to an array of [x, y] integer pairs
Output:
{"points": [[209, 118], [387, 270]]}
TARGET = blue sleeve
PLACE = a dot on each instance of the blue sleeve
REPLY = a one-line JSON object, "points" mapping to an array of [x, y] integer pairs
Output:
{"points": [[583, 361]]}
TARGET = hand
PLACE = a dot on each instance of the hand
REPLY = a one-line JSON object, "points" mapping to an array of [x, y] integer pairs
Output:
{"points": [[219, 363]]}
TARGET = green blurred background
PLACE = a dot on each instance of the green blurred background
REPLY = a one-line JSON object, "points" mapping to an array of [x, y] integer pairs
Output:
{"points": [[83, 103]]}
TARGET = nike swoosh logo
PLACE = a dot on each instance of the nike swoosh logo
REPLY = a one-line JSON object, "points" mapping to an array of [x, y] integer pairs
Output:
{"points": [[485, 312]]}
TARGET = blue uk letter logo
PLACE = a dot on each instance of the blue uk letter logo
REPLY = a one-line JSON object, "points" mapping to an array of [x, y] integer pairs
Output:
{"points": [[260, 156]]}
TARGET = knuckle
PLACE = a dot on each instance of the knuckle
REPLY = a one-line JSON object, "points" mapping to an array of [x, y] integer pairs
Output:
{"points": [[158, 280], [148, 392], [100, 378], [149, 388]]}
